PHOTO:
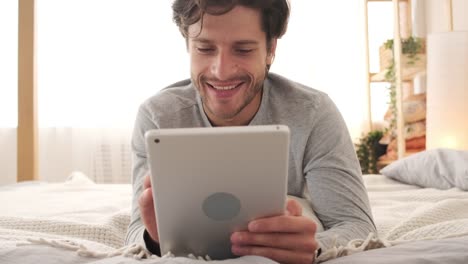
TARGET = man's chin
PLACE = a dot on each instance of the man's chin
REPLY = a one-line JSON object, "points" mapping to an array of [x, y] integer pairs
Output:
{"points": [[223, 115]]}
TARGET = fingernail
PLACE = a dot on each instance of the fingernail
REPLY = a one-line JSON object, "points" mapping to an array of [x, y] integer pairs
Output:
{"points": [[236, 238], [236, 250], [253, 226]]}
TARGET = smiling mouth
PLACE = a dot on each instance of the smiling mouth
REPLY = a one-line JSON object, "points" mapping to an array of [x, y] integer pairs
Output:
{"points": [[225, 87]]}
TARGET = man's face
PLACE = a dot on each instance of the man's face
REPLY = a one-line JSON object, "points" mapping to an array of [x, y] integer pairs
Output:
{"points": [[228, 64]]}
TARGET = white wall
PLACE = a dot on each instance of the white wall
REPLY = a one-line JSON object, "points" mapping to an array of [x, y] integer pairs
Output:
{"points": [[438, 19], [437, 16], [460, 15]]}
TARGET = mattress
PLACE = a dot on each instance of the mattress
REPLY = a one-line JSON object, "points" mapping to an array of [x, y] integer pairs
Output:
{"points": [[88, 222]]}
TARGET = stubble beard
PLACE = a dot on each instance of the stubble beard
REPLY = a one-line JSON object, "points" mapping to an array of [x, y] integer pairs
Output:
{"points": [[249, 96]]}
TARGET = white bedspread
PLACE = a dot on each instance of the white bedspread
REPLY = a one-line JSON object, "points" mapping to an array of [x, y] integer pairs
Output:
{"points": [[96, 215], [405, 212]]}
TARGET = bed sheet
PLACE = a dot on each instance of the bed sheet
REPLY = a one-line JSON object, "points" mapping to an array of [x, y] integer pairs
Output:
{"points": [[449, 250], [74, 222], [405, 212], [96, 216]]}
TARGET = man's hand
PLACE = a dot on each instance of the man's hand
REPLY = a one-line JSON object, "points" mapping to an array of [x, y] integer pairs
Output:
{"points": [[288, 238], [146, 205]]}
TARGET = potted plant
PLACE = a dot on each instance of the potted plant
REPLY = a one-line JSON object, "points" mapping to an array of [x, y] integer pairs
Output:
{"points": [[368, 151], [412, 51]]}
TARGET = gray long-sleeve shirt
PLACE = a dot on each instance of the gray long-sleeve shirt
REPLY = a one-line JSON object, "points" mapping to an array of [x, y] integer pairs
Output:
{"points": [[322, 162]]}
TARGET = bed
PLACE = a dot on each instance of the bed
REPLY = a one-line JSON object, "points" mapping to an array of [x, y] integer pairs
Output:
{"points": [[420, 208]]}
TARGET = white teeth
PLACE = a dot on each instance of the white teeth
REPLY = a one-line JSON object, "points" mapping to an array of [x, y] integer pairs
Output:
{"points": [[225, 87]]}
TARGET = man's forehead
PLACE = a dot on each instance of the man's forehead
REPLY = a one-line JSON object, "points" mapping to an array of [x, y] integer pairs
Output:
{"points": [[241, 23]]}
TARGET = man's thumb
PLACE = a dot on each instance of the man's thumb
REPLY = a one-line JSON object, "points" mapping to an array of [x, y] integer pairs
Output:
{"points": [[293, 208]]}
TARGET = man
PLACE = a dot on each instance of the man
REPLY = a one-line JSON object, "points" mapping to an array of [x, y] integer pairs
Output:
{"points": [[232, 45]]}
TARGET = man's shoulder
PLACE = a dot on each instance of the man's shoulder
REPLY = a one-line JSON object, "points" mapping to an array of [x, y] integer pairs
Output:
{"points": [[288, 91], [173, 98]]}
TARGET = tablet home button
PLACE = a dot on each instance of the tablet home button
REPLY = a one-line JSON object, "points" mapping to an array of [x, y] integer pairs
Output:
{"points": [[221, 206]]}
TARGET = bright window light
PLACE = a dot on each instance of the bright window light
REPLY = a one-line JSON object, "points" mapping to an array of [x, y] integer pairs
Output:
{"points": [[380, 30], [380, 26], [99, 60], [8, 63]]}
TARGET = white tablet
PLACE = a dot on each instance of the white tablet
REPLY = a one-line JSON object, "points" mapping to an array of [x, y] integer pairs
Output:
{"points": [[210, 182]]}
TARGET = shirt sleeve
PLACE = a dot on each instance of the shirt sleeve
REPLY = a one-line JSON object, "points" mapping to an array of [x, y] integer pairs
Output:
{"points": [[136, 230], [334, 180]]}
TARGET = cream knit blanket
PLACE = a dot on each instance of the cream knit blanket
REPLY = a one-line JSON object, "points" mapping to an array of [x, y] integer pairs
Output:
{"points": [[402, 213]]}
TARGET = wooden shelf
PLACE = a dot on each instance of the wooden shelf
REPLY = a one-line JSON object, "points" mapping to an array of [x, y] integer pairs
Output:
{"points": [[407, 74], [406, 68]]}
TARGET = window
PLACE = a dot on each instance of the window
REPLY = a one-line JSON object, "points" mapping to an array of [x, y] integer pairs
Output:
{"points": [[8, 63], [380, 26], [98, 60]]}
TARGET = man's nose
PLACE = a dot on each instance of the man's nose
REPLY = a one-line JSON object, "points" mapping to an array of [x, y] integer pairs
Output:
{"points": [[224, 65]]}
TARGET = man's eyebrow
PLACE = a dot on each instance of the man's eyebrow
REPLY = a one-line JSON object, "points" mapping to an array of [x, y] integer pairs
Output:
{"points": [[246, 42], [239, 42], [202, 40]]}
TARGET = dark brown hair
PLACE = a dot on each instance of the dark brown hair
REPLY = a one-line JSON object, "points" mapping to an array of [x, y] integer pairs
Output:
{"points": [[275, 14]]}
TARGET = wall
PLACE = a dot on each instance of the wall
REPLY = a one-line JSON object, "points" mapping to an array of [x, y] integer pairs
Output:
{"points": [[460, 11], [437, 15]]}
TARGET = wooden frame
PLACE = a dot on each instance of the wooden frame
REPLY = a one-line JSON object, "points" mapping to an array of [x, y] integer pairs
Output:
{"points": [[450, 14], [397, 53], [398, 83], [368, 75], [27, 155]]}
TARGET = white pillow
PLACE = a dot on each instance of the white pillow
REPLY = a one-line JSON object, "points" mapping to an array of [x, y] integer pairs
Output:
{"points": [[436, 168]]}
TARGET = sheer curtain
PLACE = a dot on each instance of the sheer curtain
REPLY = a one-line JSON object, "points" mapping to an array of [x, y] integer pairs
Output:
{"points": [[99, 59], [8, 90]]}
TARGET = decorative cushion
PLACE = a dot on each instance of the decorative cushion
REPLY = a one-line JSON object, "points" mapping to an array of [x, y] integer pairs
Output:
{"points": [[437, 168]]}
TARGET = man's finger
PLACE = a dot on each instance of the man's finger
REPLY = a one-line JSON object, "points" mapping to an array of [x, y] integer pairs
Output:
{"points": [[283, 224], [146, 201], [291, 241], [148, 215], [147, 182], [293, 207]]}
